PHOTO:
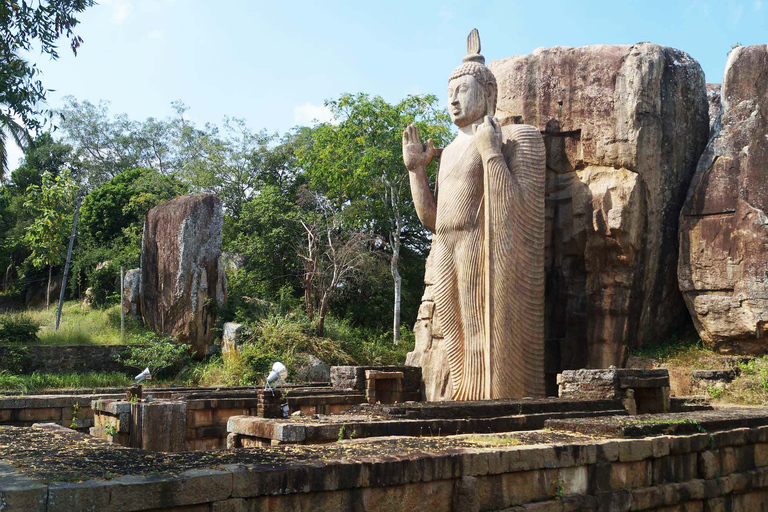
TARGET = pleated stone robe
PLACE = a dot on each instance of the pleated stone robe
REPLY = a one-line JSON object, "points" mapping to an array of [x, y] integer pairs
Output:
{"points": [[489, 266]]}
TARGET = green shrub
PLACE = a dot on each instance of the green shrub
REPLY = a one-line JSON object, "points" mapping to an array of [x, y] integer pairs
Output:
{"points": [[18, 328], [14, 359], [159, 353], [102, 284]]}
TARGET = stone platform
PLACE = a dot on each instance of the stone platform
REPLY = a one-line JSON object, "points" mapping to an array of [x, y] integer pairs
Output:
{"points": [[414, 419], [56, 469], [197, 420]]}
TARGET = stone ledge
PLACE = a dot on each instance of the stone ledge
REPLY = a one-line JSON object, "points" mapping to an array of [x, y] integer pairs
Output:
{"points": [[19, 493], [484, 468]]}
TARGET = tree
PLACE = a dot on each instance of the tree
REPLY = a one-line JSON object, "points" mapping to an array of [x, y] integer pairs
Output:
{"points": [[358, 162], [106, 146], [232, 162], [49, 205], [43, 154], [332, 255], [112, 222], [24, 24]]}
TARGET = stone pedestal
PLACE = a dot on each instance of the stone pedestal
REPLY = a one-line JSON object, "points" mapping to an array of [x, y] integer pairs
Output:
{"points": [[641, 391], [269, 404], [383, 387], [159, 426]]}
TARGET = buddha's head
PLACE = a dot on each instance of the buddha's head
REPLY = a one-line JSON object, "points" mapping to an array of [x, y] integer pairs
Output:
{"points": [[471, 87]]}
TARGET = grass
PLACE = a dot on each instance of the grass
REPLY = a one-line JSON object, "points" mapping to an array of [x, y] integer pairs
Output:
{"points": [[687, 353], [39, 381], [288, 338], [78, 326]]}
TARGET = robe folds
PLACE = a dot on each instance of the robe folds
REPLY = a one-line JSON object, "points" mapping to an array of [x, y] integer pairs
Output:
{"points": [[488, 266]]}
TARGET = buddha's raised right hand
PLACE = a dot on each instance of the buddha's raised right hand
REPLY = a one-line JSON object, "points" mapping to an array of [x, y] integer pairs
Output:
{"points": [[415, 155]]}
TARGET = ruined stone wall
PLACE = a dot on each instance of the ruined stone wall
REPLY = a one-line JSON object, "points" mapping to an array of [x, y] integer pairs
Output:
{"points": [[64, 358], [719, 471]]}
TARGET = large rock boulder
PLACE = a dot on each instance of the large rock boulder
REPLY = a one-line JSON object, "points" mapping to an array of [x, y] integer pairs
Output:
{"points": [[715, 107], [723, 266], [624, 126], [182, 282], [132, 293]]}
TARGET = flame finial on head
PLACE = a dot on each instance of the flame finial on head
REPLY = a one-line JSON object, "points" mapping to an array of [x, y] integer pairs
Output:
{"points": [[473, 48], [474, 63]]}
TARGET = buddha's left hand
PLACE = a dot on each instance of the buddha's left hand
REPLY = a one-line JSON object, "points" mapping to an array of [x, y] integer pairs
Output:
{"points": [[488, 138]]}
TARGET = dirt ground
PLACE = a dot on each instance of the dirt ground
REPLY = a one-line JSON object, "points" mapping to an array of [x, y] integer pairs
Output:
{"points": [[58, 454]]}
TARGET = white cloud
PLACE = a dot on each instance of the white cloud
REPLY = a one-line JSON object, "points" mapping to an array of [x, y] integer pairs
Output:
{"points": [[735, 12], [445, 12], [698, 7], [120, 9], [309, 114], [758, 5], [156, 34]]}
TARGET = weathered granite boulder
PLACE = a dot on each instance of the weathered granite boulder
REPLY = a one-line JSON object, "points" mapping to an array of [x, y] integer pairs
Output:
{"points": [[313, 370], [715, 106], [182, 282], [232, 261], [132, 293], [231, 339], [624, 126], [723, 266]]}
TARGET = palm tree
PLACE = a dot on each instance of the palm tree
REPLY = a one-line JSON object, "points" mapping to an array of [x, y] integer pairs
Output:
{"points": [[8, 125]]}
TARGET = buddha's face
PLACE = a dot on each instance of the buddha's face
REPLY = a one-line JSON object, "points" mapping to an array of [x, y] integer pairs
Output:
{"points": [[467, 100]]}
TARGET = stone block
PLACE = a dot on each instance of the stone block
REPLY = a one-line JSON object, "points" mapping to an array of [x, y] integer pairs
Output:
{"points": [[198, 486], [708, 465], [761, 455], [635, 449], [159, 426], [89, 495], [674, 468], [574, 480], [199, 417], [19, 493], [631, 475], [231, 505], [42, 414]]}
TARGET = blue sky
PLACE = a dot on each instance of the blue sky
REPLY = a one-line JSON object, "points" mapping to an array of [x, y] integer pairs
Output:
{"points": [[274, 63]]}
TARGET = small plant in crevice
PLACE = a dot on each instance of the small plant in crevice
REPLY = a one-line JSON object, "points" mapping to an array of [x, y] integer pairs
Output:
{"points": [[110, 430], [559, 489], [75, 410], [715, 392]]}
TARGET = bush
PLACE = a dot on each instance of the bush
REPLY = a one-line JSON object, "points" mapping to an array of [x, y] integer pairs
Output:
{"points": [[102, 284], [14, 359], [159, 353], [18, 328]]}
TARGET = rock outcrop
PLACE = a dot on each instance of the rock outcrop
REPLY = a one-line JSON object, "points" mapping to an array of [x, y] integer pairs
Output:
{"points": [[132, 293], [182, 282], [715, 107], [723, 266], [624, 126], [231, 339]]}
